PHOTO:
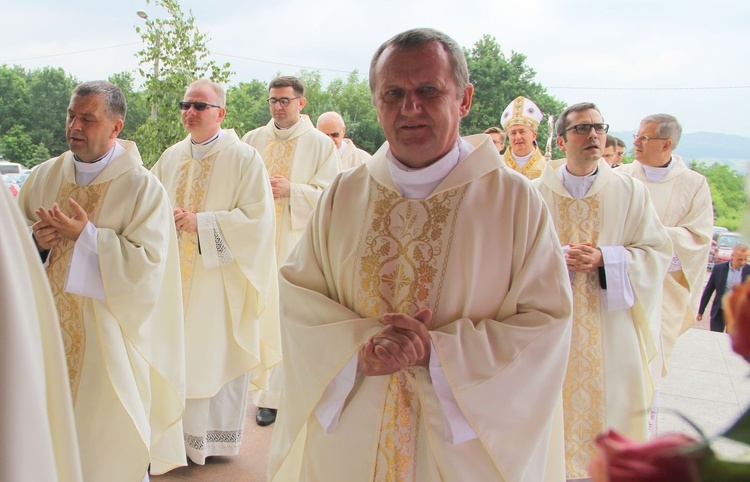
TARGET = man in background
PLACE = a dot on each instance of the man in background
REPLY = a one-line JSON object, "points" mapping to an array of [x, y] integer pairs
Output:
{"points": [[498, 138], [332, 124], [724, 276], [521, 122], [301, 162], [683, 201]]}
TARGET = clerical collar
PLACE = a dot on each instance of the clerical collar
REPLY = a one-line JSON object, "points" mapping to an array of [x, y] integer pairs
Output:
{"points": [[656, 174], [199, 151], [522, 160], [343, 147], [577, 186], [277, 126], [86, 172], [208, 141], [419, 183]]}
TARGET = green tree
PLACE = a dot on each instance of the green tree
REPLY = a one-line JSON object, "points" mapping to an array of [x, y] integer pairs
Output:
{"points": [[14, 98], [49, 96], [138, 108], [16, 145], [178, 51], [727, 193], [352, 100], [498, 80], [39, 154], [247, 106]]}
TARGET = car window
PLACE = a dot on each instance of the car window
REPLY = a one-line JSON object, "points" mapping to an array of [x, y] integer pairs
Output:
{"points": [[730, 241]]}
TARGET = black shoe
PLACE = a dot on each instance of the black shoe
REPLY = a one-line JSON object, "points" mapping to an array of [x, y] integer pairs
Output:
{"points": [[265, 416]]}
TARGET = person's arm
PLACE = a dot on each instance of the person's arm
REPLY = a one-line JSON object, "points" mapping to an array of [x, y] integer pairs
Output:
{"points": [[707, 292]]}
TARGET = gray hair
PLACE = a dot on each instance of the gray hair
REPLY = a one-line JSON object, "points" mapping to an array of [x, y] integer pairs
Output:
{"points": [[115, 106], [562, 121], [288, 81], [418, 37], [740, 248], [215, 86], [668, 128]]}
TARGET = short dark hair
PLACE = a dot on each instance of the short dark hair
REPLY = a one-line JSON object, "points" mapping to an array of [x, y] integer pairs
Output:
{"points": [[620, 142], [562, 121], [496, 130], [611, 142], [114, 100], [417, 37], [288, 81]]}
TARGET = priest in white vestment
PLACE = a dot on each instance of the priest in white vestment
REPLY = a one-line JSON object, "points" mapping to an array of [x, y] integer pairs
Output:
{"points": [[682, 199], [521, 123], [417, 345], [38, 440], [332, 124], [224, 216], [301, 163], [103, 224], [615, 248]]}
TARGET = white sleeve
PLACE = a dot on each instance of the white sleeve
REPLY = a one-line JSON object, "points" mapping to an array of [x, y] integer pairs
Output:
{"points": [[84, 275], [457, 428], [619, 293], [332, 401], [214, 249]]}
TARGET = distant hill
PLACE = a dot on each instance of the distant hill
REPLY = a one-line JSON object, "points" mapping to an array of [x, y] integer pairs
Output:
{"points": [[708, 147]]}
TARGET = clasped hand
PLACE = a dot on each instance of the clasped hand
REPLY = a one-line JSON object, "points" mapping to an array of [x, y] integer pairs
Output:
{"points": [[404, 341], [54, 225], [583, 257], [185, 220]]}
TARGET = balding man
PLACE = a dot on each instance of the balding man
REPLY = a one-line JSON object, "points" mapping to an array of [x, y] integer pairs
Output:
{"points": [[683, 200], [723, 278], [332, 124]]}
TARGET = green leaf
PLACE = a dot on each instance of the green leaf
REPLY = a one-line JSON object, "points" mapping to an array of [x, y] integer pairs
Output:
{"points": [[740, 431]]}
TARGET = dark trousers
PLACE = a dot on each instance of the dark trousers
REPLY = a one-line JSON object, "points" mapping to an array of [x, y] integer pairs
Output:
{"points": [[717, 322]]}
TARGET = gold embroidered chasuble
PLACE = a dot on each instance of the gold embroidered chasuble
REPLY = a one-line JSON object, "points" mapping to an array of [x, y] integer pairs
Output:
{"points": [[614, 356], [502, 348], [125, 353], [532, 169], [683, 201], [231, 310], [39, 437], [306, 157]]}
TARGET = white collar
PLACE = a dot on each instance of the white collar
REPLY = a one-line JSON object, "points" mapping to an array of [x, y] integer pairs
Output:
{"points": [[577, 186]]}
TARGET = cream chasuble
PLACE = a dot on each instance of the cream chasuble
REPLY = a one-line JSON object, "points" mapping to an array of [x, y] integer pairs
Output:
{"points": [[614, 355], [532, 169], [503, 348], [306, 157], [38, 439], [231, 317], [352, 155], [125, 353], [683, 201]]}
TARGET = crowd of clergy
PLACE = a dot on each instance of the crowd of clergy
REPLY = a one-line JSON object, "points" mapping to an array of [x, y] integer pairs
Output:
{"points": [[448, 308]]}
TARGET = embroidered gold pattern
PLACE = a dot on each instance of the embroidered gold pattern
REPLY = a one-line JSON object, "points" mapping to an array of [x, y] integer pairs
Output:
{"points": [[403, 256], [532, 169], [70, 306], [190, 193], [278, 160], [584, 407]]}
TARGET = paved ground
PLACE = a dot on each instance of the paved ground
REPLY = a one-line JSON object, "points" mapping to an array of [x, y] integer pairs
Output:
{"points": [[707, 383]]}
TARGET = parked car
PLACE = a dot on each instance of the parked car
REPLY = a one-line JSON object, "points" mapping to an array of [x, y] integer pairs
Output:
{"points": [[11, 182], [718, 229], [721, 247]]}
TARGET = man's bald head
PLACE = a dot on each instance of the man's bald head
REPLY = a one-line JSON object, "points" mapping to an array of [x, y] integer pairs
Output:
{"points": [[332, 124]]}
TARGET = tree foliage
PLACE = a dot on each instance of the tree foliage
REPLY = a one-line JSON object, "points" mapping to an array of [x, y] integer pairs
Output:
{"points": [[178, 52], [727, 193]]}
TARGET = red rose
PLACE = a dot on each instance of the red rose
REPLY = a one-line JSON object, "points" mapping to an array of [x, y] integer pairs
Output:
{"points": [[737, 316], [666, 458]]}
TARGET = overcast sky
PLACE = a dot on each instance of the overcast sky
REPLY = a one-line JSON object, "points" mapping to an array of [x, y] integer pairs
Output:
{"points": [[631, 57]]}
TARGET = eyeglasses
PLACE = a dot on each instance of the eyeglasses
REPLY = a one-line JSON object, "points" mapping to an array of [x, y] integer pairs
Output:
{"points": [[284, 101], [636, 137], [497, 143], [583, 129], [199, 106], [334, 134]]}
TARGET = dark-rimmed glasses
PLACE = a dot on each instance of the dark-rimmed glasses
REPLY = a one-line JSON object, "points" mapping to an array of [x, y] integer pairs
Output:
{"points": [[636, 137], [583, 129], [199, 106], [284, 101]]}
